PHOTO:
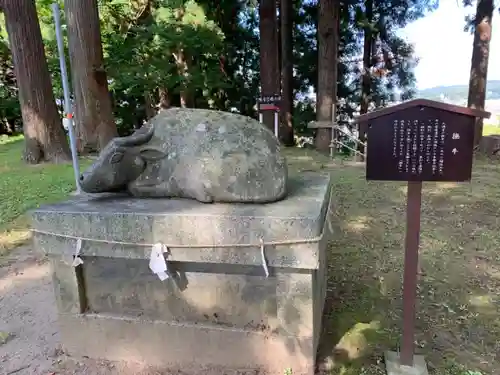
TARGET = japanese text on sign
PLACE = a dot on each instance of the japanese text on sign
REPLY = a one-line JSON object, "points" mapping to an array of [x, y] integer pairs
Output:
{"points": [[269, 99], [418, 143]]}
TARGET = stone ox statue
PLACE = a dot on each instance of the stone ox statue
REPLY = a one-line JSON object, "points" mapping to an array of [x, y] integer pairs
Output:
{"points": [[210, 156]]}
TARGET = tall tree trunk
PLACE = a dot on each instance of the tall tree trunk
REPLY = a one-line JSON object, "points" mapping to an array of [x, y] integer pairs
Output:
{"points": [[149, 105], [479, 62], [93, 108], [165, 102], [328, 39], [366, 75], [269, 68], [279, 33], [367, 59], [182, 62], [286, 130], [186, 96], [142, 9], [45, 139]]}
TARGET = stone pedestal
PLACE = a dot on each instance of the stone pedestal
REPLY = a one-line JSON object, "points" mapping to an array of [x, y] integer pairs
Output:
{"points": [[219, 308], [489, 144], [394, 366]]}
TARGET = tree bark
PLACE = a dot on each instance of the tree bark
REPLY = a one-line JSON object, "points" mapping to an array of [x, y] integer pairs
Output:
{"points": [[479, 62], [45, 139], [269, 68], [182, 62], [93, 107], [328, 39], [366, 76], [286, 130], [165, 102], [186, 97], [149, 105]]}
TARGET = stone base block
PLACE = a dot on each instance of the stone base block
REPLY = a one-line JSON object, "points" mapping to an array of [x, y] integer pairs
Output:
{"points": [[221, 307], [394, 366], [186, 346]]}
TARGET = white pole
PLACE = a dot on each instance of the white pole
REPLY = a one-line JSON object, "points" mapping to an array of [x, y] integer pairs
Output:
{"points": [[67, 103], [276, 124], [261, 117], [332, 133]]}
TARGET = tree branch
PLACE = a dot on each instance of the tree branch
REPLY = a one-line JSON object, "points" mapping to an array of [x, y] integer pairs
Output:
{"points": [[384, 39]]}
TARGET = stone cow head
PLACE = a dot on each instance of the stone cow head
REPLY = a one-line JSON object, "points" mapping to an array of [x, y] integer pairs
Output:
{"points": [[121, 162]]}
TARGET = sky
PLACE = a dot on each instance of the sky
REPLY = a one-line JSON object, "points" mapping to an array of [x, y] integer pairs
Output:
{"points": [[445, 50]]}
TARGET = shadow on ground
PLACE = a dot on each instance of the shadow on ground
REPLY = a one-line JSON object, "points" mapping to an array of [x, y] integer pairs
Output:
{"points": [[458, 321]]}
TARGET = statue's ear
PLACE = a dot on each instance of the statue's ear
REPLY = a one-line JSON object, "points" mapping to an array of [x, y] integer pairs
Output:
{"points": [[152, 153]]}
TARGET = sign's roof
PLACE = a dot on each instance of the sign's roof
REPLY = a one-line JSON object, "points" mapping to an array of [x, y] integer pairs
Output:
{"points": [[424, 103]]}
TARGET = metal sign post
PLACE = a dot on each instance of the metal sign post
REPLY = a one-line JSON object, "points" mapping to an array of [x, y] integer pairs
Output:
{"points": [[416, 141], [67, 103], [276, 122], [332, 135]]}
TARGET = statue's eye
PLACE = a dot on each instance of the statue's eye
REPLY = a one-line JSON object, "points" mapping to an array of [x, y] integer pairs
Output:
{"points": [[116, 157]]}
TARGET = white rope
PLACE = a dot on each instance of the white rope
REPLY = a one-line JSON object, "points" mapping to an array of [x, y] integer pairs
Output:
{"points": [[161, 268], [194, 246]]}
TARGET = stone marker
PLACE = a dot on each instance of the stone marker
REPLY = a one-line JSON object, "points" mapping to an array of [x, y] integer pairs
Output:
{"points": [[217, 307], [489, 144], [210, 156]]}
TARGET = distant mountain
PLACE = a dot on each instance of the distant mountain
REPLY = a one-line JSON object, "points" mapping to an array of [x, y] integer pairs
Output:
{"points": [[458, 93]]}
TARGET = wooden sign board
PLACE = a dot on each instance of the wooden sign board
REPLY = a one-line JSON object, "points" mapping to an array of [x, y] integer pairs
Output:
{"points": [[421, 142], [269, 99], [416, 141], [269, 103]]}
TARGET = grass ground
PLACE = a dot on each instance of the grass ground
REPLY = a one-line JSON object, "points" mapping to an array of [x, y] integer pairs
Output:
{"points": [[458, 323], [490, 129], [23, 187]]}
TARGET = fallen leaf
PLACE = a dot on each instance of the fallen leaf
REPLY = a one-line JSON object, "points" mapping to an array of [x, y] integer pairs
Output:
{"points": [[4, 337]]}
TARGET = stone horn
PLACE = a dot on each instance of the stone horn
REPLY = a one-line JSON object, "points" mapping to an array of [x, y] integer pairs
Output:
{"points": [[139, 137]]}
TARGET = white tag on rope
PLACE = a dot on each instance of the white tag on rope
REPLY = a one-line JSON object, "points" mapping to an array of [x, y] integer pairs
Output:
{"points": [[76, 258], [263, 257], [157, 262]]}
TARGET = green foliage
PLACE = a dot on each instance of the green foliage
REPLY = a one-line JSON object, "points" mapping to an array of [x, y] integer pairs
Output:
{"points": [[40, 184], [141, 53], [10, 111], [220, 45]]}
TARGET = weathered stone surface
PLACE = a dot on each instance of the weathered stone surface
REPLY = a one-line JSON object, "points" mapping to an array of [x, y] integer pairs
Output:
{"points": [[219, 301], [490, 145], [189, 223], [394, 367], [185, 347], [210, 156], [66, 287]]}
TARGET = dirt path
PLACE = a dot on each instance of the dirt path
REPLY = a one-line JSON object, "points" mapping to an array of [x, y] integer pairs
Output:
{"points": [[27, 316], [29, 338]]}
